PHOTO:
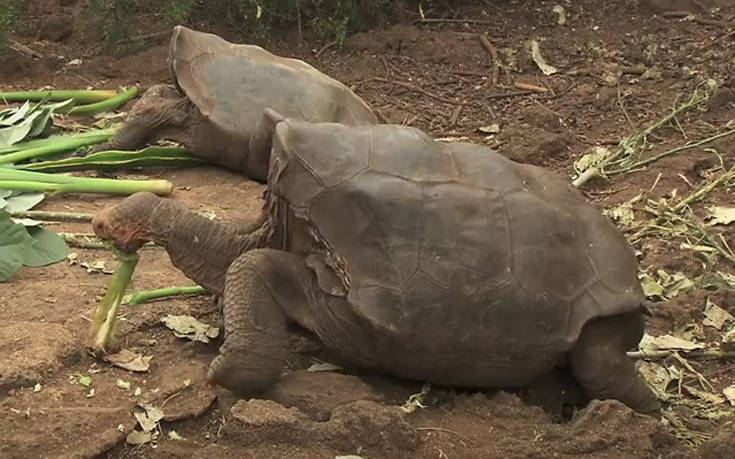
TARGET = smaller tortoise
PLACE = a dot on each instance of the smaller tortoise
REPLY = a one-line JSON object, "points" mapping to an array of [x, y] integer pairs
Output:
{"points": [[216, 107], [446, 263]]}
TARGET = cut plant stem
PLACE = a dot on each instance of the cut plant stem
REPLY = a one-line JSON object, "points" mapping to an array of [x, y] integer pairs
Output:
{"points": [[13, 179], [705, 189], [90, 241], [46, 216], [635, 143], [105, 105], [54, 145], [115, 159], [101, 339], [59, 95], [139, 298]]}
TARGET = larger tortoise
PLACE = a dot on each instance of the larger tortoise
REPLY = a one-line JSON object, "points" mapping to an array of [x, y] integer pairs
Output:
{"points": [[447, 263], [215, 107]]}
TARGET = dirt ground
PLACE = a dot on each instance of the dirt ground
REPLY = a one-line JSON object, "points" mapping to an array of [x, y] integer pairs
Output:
{"points": [[621, 66]]}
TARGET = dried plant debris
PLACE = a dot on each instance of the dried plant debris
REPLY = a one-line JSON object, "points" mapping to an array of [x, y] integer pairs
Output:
{"points": [[190, 328]]}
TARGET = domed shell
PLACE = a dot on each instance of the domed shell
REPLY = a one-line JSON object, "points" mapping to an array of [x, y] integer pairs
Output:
{"points": [[451, 240], [231, 84]]}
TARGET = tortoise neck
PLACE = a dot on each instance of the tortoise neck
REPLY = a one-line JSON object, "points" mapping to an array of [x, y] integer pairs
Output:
{"points": [[201, 248]]}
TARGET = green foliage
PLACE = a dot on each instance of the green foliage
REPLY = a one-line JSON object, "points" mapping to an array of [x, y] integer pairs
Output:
{"points": [[10, 11], [178, 11], [111, 19]]}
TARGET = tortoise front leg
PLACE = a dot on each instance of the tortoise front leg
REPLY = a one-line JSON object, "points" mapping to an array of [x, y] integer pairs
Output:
{"points": [[600, 365], [263, 289]]}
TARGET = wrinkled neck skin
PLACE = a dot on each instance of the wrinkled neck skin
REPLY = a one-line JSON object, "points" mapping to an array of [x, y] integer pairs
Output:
{"points": [[201, 248]]}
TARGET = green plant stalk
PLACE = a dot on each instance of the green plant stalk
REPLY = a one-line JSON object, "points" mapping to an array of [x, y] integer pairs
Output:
{"points": [[58, 95], [114, 159], [61, 144], [635, 141], [105, 105], [46, 216], [90, 241], [103, 134], [705, 190], [138, 298], [102, 339], [93, 185]]}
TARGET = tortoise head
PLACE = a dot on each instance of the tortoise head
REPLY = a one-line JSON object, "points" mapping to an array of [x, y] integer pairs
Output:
{"points": [[128, 224]]}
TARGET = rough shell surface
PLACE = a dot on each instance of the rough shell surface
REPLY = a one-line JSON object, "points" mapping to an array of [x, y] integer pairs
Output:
{"points": [[231, 84], [449, 241]]}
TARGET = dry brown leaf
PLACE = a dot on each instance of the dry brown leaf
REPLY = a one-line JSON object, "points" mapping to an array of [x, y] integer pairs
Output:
{"points": [[730, 394], [674, 343], [130, 360], [715, 316]]}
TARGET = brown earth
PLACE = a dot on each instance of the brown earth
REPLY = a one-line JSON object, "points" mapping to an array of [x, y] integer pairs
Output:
{"points": [[622, 66]]}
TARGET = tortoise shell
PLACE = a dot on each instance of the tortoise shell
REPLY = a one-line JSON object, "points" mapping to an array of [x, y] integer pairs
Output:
{"points": [[448, 247], [231, 84]]}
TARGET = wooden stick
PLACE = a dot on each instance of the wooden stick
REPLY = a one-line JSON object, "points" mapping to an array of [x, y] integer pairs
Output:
{"points": [[23, 49], [530, 87], [493, 53], [456, 21], [324, 48], [455, 117]]}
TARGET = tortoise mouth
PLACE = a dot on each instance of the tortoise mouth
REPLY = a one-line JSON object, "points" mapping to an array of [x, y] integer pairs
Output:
{"points": [[124, 237]]}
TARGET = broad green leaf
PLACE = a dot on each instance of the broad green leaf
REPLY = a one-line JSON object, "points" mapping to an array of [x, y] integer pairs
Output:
{"points": [[27, 222], [24, 201], [46, 248], [13, 134], [13, 244], [15, 114], [113, 159]]}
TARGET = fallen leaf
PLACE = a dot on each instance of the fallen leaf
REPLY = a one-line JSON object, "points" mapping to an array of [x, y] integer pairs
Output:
{"points": [[91, 393], [191, 328], [657, 377], [623, 214], [122, 384], [323, 367], [416, 400], [728, 341], [593, 159], [84, 380], [715, 316], [539, 60], [651, 287], [149, 418], [130, 360], [719, 215], [708, 397], [490, 129], [97, 266], [729, 392], [674, 343], [173, 435], [37, 387], [137, 437]]}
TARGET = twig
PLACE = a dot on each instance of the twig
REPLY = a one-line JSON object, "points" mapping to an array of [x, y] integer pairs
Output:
{"points": [[416, 88], [493, 54], [509, 94], [455, 116], [697, 19], [147, 36], [453, 432], [324, 48], [23, 49], [660, 355], [530, 87], [53, 216], [455, 21]]}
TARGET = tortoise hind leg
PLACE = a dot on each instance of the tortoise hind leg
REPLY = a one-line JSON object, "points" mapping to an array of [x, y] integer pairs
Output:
{"points": [[599, 363], [263, 288]]}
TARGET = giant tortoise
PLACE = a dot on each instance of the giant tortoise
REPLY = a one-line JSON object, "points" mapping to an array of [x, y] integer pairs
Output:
{"points": [[446, 263], [215, 107]]}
